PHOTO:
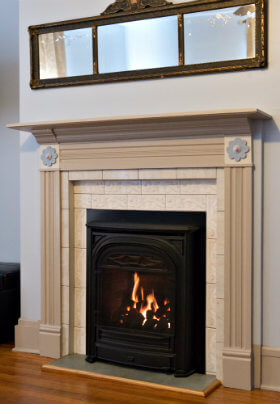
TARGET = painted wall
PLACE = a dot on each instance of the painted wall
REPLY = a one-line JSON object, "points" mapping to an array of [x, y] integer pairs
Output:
{"points": [[259, 88], [9, 142]]}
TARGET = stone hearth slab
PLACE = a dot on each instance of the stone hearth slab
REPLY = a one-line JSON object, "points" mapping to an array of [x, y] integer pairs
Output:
{"points": [[197, 384]]}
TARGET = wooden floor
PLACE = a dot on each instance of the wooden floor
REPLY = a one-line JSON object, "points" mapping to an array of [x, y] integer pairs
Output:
{"points": [[22, 381]]}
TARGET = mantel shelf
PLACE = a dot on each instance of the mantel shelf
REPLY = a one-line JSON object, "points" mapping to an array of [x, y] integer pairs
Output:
{"points": [[203, 123]]}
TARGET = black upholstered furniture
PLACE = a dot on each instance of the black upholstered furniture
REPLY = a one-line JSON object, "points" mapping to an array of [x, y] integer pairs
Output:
{"points": [[9, 299]]}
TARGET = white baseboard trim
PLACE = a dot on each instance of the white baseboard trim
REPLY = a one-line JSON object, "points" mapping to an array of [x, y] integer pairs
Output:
{"points": [[26, 350], [27, 336], [270, 388], [270, 368]]}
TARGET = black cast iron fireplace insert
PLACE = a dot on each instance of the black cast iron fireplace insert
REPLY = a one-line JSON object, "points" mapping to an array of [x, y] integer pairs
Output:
{"points": [[146, 289]]}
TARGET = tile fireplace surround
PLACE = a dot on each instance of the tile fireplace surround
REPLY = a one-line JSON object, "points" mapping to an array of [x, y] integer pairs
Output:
{"points": [[179, 162]]}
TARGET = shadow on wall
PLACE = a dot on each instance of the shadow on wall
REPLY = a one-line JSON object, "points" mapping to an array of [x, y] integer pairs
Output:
{"points": [[29, 145], [271, 131]]}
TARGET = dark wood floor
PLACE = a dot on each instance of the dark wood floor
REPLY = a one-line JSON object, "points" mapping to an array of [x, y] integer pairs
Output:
{"points": [[23, 382]]}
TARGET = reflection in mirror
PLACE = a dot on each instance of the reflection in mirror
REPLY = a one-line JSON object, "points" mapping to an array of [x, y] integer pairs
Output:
{"points": [[66, 53], [219, 35], [146, 44]]}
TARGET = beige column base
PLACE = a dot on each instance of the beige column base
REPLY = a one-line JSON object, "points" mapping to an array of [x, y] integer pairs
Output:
{"points": [[237, 367], [50, 341]]}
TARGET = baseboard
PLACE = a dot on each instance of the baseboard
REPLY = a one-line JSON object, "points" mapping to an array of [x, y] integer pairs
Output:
{"points": [[270, 368], [33, 337], [27, 336]]}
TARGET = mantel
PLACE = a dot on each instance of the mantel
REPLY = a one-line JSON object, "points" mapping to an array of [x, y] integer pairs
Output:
{"points": [[139, 127]]}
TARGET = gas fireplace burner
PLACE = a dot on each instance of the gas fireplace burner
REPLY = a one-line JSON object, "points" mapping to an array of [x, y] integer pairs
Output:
{"points": [[146, 289]]}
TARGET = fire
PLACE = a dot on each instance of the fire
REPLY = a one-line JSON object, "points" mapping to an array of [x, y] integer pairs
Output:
{"points": [[134, 296], [149, 304], [143, 310]]}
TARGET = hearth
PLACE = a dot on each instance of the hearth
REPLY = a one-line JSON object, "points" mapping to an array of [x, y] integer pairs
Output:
{"points": [[146, 289]]}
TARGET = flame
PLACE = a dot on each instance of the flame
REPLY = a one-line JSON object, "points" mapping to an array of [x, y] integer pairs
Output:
{"points": [[149, 304], [134, 296]]}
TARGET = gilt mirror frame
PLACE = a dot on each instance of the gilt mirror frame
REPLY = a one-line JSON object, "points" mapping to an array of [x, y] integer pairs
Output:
{"points": [[134, 10]]}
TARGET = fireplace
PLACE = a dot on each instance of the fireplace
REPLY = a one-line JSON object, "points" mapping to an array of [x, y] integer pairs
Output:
{"points": [[146, 289], [173, 162]]}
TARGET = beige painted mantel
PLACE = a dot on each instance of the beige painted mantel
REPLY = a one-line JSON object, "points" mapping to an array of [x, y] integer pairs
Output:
{"points": [[175, 141]]}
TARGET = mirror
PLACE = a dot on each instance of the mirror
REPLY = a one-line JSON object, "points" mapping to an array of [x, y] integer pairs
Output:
{"points": [[66, 53], [142, 39], [218, 35], [136, 45]]}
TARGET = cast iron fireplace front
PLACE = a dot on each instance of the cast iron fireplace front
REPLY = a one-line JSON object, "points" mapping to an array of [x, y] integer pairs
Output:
{"points": [[146, 289]]}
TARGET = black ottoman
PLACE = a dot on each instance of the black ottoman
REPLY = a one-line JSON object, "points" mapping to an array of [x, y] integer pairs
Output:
{"points": [[9, 299]]}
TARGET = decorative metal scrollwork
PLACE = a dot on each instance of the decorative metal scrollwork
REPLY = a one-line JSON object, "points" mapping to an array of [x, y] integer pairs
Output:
{"points": [[133, 5]]}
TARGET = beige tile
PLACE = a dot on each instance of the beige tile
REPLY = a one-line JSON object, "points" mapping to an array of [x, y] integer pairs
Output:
{"points": [[65, 190], [65, 228], [79, 307], [220, 276], [65, 304], [211, 305], [79, 340], [158, 187], [80, 228], [220, 320], [65, 340], [89, 187], [221, 189], [82, 201], [80, 267], [193, 203], [211, 216], [211, 260], [211, 351], [198, 187], [219, 361], [120, 174], [65, 266], [109, 201], [123, 187], [196, 173], [85, 175], [146, 202], [158, 174], [220, 233]]}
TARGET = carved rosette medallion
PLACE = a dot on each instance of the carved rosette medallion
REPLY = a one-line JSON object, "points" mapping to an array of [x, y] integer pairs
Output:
{"points": [[237, 149], [49, 156], [133, 5]]}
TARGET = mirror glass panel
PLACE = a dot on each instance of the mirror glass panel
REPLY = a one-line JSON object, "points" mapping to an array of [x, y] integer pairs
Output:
{"points": [[220, 35], [135, 45], [66, 53]]}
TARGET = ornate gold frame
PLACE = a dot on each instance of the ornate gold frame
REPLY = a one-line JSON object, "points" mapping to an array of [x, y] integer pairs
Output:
{"points": [[131, 10]]}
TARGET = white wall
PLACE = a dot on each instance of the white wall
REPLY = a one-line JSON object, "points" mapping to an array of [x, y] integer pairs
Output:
{"points": [[251, 89], [9, 142]]}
